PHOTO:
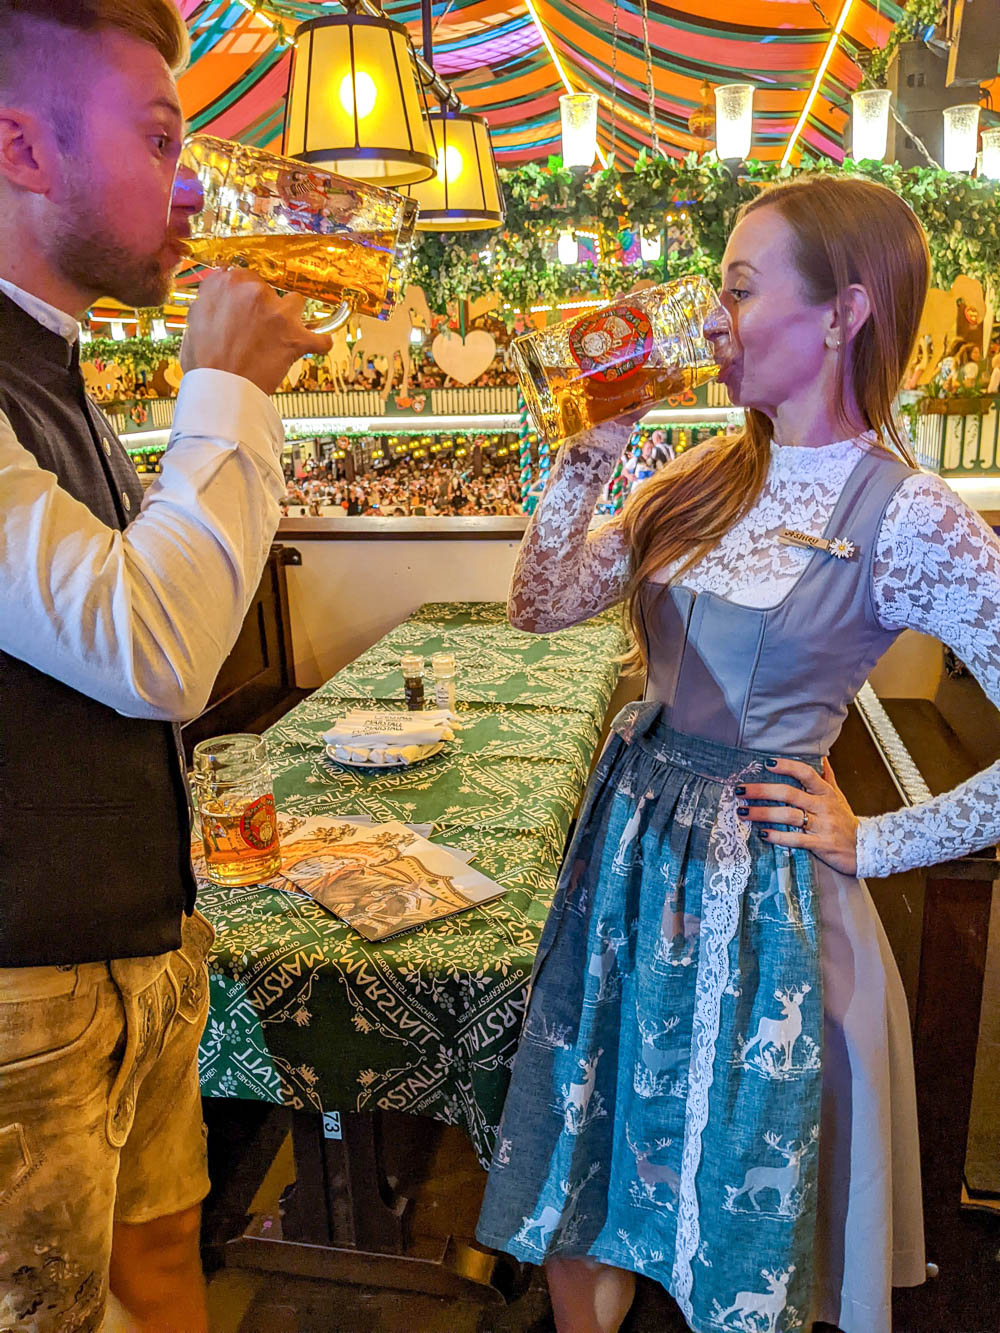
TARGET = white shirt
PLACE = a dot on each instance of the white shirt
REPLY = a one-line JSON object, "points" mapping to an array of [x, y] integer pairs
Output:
{"points": [[143, 619]]}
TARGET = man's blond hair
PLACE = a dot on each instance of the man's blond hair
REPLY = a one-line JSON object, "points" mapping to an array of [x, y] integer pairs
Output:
{"points": [[157, 22], [41, 66]]}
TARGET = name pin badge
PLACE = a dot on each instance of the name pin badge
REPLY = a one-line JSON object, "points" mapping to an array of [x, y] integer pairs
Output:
{"points": [[839, 547]]}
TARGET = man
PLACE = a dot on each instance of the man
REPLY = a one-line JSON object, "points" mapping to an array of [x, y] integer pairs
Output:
{"points": [[660, 452], [116, 612]]}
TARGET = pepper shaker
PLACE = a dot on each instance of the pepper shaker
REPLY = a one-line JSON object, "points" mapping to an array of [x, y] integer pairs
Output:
{"points": [[413, 681]]}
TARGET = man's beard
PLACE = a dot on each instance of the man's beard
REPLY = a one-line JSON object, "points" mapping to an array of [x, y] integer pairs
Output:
{"points": [[86, 254]]}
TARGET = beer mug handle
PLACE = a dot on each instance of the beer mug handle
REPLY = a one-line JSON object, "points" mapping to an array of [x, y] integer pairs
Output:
{"points": [[327, 323]]}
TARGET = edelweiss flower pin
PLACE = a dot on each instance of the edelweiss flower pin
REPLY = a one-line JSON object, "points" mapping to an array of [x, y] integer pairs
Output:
{"points": [[835, 546]]}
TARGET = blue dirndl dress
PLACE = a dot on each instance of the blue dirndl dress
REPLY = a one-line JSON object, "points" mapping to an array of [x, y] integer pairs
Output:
{"points": [[665, 1105]]}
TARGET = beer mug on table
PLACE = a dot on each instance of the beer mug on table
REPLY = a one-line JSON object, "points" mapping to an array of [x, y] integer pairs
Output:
{"points": [[234, 798], [634, 352], [302, 229]]}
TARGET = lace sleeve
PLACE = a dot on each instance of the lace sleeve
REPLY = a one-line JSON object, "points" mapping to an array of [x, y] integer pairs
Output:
{"points": [[937, 570], [565, 573]]}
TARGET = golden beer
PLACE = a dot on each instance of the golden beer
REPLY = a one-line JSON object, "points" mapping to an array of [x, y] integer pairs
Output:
{"points": [[240, 838], [630, 354], [234, 798], [326, 268], [302, 229]]}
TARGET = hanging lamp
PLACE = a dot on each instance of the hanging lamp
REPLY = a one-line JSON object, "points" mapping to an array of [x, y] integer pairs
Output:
{"points": [[991, 154], [733, 120], [701, 121], [464, 193], [578, 116], [961, 136], [870, 123], [354, 106]]}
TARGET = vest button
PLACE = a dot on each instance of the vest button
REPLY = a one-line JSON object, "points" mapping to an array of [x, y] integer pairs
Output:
{"points": [[125, 500], [107, 447]]}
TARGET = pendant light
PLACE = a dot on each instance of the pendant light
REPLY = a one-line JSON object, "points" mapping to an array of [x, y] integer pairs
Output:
{"points": [[650, 249], [733, 120], [354, 106], [568, 248], [870, 123], [991, 154], [464, 193], [578, 114], [961, 136], [701, 121]]}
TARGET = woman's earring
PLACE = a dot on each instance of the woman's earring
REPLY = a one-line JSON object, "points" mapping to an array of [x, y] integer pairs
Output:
{"points": [[832, 341]]}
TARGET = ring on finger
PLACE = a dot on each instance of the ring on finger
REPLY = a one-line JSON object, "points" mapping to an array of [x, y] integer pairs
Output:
{"points": [[805, 820]]}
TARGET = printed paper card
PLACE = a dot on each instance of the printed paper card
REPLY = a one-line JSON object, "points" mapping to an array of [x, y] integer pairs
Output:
{"points": [[382, 879]]}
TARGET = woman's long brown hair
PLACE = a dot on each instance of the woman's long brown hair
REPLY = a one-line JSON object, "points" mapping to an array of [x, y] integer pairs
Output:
{"points": [[847, 231]]}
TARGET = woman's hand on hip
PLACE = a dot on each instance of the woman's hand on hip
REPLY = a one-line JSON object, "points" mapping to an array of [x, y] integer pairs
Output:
{"points": [[823, 823]]}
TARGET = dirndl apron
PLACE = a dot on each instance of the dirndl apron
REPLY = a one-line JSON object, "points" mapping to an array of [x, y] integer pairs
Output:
{"points": [[665, 1103]]}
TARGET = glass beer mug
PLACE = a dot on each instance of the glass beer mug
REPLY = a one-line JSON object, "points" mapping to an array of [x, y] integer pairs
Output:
{"points": [[235, 804], [631, 353], [302, 229]]}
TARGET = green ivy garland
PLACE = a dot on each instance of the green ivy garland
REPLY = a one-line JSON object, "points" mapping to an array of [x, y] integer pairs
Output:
{"points": [[960, 215], [135, 354]]}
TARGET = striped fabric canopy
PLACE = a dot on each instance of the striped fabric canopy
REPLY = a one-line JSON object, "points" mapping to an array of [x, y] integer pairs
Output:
{"points": [[493, 55]]}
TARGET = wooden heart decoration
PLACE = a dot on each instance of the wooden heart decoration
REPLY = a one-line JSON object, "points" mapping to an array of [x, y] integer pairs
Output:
{"points": [[464, 359], [173, 374]]}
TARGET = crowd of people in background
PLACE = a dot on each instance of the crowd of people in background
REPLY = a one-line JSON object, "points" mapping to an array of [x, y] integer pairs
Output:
{"points": [[407, 488]]}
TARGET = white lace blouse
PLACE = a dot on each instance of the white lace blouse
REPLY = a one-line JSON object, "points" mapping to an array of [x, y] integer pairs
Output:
{"points": [[936, 569]]}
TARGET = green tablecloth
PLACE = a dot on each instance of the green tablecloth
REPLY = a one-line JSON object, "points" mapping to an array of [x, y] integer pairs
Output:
{"points": [[307, 1013]]}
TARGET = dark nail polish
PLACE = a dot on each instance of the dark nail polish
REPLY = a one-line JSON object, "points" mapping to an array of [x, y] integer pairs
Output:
{"points": [[740, 791], [742, 809], [764, 833], [771, 763]]}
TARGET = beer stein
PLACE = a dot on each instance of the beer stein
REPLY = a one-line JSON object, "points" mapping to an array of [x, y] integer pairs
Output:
{"points": [[632, 353], [235, 804], [302, 229]]}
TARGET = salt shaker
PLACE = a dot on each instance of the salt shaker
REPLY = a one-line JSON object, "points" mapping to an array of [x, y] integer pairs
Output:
{"points": [[443, 666]]}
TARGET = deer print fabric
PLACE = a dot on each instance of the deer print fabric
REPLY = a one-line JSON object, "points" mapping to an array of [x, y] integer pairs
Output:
{"points": [[665, 1105]]}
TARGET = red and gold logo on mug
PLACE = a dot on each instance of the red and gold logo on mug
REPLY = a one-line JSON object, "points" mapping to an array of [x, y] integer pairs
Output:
{"points": [[259, 824], [612, 344]]}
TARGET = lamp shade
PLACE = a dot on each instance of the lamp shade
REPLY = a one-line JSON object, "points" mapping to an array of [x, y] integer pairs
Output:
{"points": [[870, 123], [650, 248], [567, 248], [579, 129], [961, 135], [733, 120], [991, 154], [353, 102], [464, 193]]}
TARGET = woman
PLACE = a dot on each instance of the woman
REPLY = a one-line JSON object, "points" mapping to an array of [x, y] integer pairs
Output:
{"points": [[968, 366], [945, 373], [714, 1085]]}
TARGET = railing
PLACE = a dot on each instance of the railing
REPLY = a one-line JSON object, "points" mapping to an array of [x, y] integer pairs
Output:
{"points": [[474, 402], [961, 444], [326, 403], [153, 414], [157, 413]]}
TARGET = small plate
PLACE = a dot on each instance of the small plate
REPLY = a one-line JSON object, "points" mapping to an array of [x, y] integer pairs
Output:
{"points": [[428, 751]]}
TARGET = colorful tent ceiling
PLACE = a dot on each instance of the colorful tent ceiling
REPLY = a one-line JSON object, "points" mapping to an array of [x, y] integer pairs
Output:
{"points": [[493, 55]]}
